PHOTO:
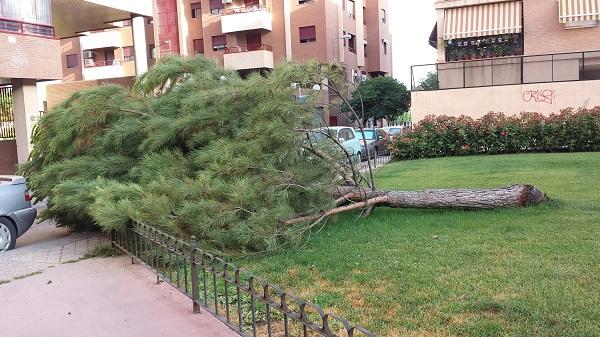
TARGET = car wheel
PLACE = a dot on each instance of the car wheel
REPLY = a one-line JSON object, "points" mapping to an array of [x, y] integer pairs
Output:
{"points": [[8, 235]]}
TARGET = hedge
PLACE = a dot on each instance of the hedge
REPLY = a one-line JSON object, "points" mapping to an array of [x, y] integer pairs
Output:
{"points": [[495, 133]]}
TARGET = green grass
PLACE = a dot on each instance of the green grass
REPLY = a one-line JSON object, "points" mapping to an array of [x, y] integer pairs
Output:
{"points": [[510, 272]]}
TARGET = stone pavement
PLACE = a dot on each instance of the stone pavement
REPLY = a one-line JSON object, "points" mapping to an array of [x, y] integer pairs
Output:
{"points": [[45, 245], [101, 297]]}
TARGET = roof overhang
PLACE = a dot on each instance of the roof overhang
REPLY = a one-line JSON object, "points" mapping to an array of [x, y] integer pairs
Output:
{"points": [[71, 17]]}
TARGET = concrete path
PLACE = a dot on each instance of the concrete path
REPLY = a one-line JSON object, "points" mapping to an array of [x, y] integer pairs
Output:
{"points": [[97, 298], [45, 245]]}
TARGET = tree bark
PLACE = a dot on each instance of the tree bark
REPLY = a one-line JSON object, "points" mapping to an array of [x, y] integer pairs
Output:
{"points": [[505, 197]]}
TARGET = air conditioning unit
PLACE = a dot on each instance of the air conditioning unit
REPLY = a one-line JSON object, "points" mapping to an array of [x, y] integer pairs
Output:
{"points": [[89, 62], [88, 54], [227, 1], [363, 77]]}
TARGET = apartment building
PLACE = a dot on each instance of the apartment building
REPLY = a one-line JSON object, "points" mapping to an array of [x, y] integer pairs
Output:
{"points": [[511, 56], [105, 53], [255, 35], [31, 36]]}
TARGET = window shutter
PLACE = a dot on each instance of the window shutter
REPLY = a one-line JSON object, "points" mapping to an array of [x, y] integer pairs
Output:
{"points": [[219, 40], [216, 4], [308, 33]]}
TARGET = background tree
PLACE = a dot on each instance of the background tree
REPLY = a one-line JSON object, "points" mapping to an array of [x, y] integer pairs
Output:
{"points": [[381, 97], [430, 82]]}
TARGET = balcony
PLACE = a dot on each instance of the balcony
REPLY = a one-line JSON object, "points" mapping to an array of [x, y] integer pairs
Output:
{"points": [[95, 70], [113, 38], [248, 57], [530, 69], [24, 28], [246, 18]]}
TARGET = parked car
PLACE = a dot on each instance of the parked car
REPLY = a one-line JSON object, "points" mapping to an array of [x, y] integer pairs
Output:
{"points": [[346, 135], [16, 213], [376, 142]]}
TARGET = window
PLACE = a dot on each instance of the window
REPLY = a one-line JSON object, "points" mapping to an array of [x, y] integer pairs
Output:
{"points": [[128, 54], [344, 34], [364, 15], [302, 2], [383, 16], [219, 42], [216, 7], [152, 52], [366, 49], [109, 56], [352, 44], [308, 34], [72, 60], [350, 8], [346, 134], [385, 46], [196, 10], [199, 46]]}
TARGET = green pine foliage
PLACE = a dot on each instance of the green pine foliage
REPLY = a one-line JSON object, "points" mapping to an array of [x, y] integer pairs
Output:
{"points": [[192, 149]]}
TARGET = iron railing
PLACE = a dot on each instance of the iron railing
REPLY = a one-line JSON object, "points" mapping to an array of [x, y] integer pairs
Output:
{"points": [[376, 158], [7, 123], [525, 69], [247, 304], [26, 28], [243, 49], [115, 62], [246, 9]]}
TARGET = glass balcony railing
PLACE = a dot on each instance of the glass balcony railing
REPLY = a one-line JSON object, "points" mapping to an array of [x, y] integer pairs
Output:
{"points": [[526, 69]]}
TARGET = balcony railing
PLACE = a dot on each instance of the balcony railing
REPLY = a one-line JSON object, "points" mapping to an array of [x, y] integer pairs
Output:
{"points": [[246, 9], [243, 49], [530, 69], [114, 62], [26, 28]]}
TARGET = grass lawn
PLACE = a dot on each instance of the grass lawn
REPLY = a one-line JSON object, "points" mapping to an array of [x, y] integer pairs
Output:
{"points": [[512, 272]]}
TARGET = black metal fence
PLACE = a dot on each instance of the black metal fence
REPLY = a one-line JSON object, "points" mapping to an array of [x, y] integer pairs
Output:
{"points": [[7, 123], [376, 159], [245, 303], [526, 69]]}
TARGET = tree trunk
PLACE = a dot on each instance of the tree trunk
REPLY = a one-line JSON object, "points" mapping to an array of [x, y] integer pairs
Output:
{"points": [[511, 196]]}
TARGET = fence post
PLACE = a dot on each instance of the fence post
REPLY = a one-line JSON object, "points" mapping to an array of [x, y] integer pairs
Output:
{"points": [[195, 288]]}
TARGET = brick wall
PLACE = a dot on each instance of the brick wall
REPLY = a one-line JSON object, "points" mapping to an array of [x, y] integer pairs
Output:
{"points": [[544, 34], [8, 156], [29, 57], [56, 93]]}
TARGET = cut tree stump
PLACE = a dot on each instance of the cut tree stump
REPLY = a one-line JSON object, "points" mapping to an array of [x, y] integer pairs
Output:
{"points": [[505, 197]]}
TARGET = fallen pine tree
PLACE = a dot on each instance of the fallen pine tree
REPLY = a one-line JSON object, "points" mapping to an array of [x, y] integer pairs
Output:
{"points": [[196, 150]]}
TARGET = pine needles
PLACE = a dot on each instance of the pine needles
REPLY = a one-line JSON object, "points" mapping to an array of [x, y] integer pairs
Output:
{"points": [[192, 149]]}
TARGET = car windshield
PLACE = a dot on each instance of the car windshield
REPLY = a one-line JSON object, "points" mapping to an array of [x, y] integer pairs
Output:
{"points": [[320, 135], [369, 134]]}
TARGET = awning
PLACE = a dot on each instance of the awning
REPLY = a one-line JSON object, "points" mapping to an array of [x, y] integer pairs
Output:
{"points": [[484, 20], [578, 10]]}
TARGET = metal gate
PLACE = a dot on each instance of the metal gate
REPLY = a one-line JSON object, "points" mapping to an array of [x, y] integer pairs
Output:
{"points": [[7, 118]]}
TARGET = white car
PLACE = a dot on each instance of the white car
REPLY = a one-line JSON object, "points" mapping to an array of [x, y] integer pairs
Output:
{"points": [[346, 135]]}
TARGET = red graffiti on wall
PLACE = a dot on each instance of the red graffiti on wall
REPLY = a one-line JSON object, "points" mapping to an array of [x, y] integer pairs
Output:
{"points": [[547, 96]]}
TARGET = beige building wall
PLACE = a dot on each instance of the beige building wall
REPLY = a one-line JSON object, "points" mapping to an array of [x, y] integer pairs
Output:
{"points": [[545, 98]]}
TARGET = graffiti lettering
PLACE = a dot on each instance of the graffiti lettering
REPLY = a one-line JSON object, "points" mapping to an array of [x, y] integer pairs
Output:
{"points": [[539, 96]]}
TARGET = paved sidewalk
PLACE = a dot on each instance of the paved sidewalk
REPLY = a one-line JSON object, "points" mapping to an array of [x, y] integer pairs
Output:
{"points": [[101, 297], [45, 245]]}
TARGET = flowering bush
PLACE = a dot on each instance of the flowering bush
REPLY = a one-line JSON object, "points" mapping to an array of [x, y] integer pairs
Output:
{"points": [[495, 133]]}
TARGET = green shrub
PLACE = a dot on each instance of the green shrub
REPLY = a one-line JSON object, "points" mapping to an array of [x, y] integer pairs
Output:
{"points": [[495, 133]]}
